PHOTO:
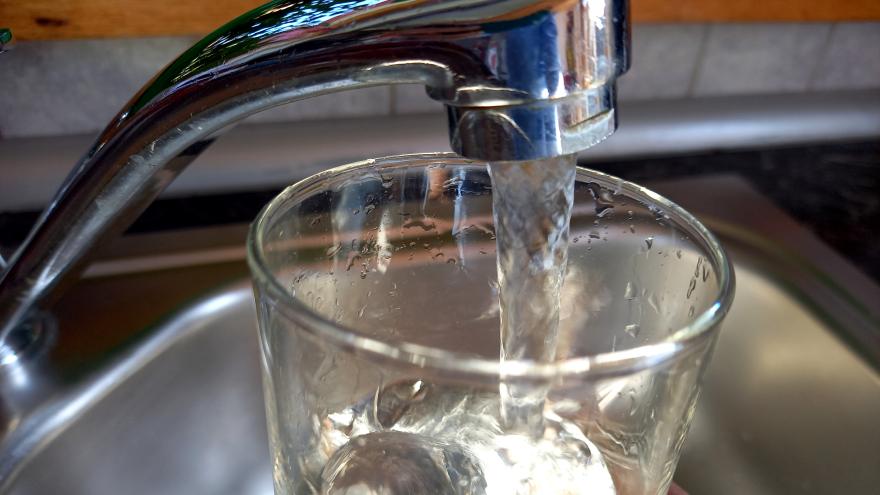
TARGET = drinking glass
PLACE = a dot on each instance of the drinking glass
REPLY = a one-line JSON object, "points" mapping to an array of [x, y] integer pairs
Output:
{"points": [[377, 303]]}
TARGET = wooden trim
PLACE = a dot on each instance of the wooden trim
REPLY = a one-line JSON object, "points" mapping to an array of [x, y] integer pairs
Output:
{"points": [[754, 10], [63, 19]]}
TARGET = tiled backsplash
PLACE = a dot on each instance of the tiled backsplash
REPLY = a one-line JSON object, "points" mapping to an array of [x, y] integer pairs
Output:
{"points": [[75, 87]]}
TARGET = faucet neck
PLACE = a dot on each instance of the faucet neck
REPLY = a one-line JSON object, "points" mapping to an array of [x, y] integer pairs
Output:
{"points": [[521, 79]]}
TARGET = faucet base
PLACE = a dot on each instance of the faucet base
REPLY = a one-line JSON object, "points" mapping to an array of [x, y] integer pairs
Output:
{"points": [[542, 129]]}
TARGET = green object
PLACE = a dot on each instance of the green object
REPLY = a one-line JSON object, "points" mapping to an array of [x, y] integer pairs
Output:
{"points": [[5, 38]]}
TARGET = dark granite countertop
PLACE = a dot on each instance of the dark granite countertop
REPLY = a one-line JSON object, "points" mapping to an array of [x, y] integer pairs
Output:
{"points": [[832, 189]]}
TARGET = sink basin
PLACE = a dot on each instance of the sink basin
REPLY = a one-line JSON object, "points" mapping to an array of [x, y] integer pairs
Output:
{"points": [[788, 406]]}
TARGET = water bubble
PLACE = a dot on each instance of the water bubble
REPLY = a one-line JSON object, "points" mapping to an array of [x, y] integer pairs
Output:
{"points": [[398, 463]]}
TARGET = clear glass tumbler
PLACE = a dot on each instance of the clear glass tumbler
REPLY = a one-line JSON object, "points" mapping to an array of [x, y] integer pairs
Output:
{"points": [[378, 316]]}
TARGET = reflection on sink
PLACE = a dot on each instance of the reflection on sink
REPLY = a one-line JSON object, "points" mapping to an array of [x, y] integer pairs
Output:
{"points": [[787, 407], [191, 421]]}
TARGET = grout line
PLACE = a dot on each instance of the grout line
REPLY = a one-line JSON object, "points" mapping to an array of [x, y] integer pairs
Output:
{"points": [[698, 65], [392, 99], [819, 61]]}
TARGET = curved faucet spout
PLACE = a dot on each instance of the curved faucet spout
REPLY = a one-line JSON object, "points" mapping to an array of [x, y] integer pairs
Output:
{"points": [[520, 79]]}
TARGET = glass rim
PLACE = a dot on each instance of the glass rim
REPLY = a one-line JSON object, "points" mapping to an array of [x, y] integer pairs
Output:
{"points": [[610, 363]]}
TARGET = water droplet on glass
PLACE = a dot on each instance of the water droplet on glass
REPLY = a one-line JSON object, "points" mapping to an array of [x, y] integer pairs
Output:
{"points": [[691, 311], [654, 303], [632, 329], [678, 253], [649, 241], [425, 224], [629, 293], [332, 250], [352, 258], [691, 287], [369, 208]]}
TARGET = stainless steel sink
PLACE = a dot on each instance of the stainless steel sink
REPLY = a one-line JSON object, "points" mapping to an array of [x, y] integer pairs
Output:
{"points": [[788, 405]]}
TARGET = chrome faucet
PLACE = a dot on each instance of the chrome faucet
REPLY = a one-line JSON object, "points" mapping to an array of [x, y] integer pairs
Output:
{"points": [[520, 79]]}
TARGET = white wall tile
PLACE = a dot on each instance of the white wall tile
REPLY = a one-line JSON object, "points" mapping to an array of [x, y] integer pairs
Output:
{"points": [[70, 87], [852, 58], [664, 57], [760, 58], [76, 87], [411, 98]]}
